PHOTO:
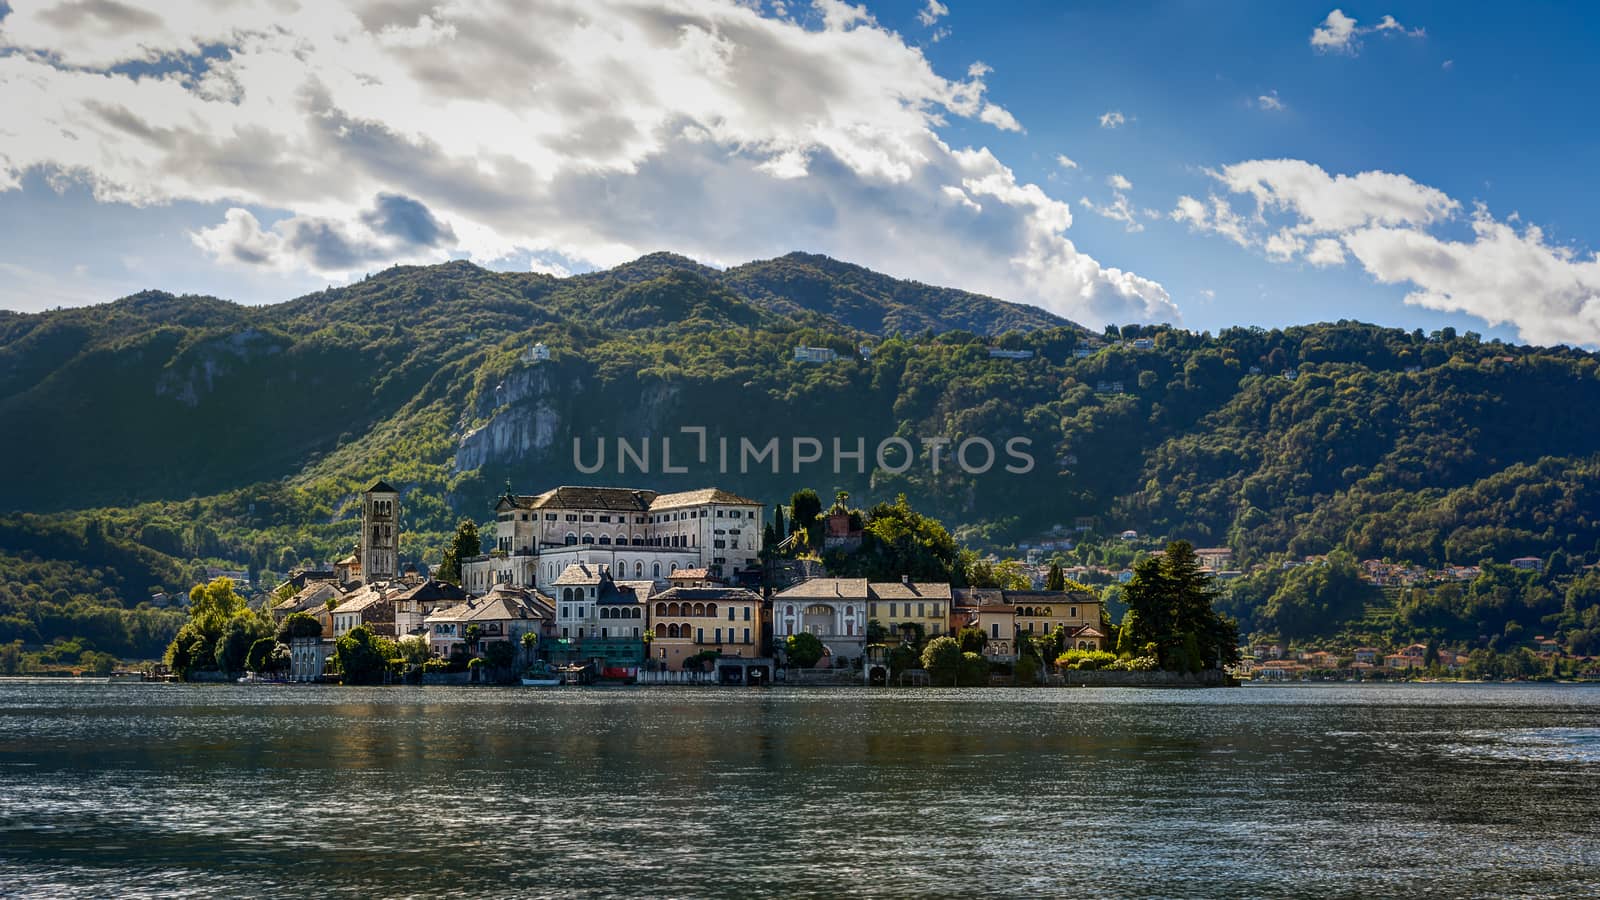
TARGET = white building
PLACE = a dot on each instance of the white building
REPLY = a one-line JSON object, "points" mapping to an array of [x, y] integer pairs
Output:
{"points": [[815, 354], [833, 609], [632, 534], [537, 353]]}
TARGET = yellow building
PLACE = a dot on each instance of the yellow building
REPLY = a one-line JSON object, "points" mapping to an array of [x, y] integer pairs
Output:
{"points": [[1042, 612], [901, 605], [686, 621], [1003, 615]]}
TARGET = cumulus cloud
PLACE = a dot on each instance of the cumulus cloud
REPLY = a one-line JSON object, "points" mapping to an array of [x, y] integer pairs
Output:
{"points": [[395, 229], [1387, 224], [1340, 33], [589, 130], [1112, 119], [932, 12]]}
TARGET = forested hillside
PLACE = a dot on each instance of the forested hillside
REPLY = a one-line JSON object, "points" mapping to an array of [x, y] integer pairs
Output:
{"points": [[190, 431]]}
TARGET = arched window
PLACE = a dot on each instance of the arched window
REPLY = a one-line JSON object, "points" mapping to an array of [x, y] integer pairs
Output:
{"points": [[711, 609], [672, 631], [621, 569], [571, 539], [638, 541], [661, 609], [674, 567], [638, 612], [699, 610], [788, 610], [588, 539], [622, 540], [638, 570], [605, 539], [657, 570], [672, 609]]}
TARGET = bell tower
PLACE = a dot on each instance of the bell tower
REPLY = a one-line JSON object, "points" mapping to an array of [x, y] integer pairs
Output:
{"points": [[380, 533]]}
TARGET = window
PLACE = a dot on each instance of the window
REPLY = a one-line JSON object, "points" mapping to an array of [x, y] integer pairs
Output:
{"points": [[921, 607], [549, 517], [747, 614], [1074, 612], [730, 614], [656, 567], [605, 539], [994, 630], [747, 632], [700, 635], [605, 518], [571, 517], [588, 539], [719, 635], [894, 610], [571, 539], [588, 518]]}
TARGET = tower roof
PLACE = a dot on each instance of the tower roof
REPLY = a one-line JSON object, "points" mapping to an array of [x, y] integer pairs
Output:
{"points": [[381, 487]]}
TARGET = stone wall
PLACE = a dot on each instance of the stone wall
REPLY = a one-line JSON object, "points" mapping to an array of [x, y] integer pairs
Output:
{"points": [[1209, 678]]}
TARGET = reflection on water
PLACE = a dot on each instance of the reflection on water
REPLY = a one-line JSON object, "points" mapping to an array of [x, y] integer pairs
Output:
{"points": [[1327, 790]]}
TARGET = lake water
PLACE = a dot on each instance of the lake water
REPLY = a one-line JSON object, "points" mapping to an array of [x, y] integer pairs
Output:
{"points": [[1448, 790]]}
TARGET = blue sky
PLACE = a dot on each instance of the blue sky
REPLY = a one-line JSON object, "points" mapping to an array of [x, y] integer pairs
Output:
{"points": [[920, 139]]}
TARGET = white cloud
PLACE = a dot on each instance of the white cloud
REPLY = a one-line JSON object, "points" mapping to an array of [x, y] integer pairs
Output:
{"points": [[594, 130], [1270, 102], [1339, 33], [1326, 252], [1336, 34], [931, 13], [1385, 222], [1112, 119], [1065, 162], [1120, 209]]}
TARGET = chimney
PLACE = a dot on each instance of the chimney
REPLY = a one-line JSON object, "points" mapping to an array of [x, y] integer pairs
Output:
{"points": [[905, 579]]}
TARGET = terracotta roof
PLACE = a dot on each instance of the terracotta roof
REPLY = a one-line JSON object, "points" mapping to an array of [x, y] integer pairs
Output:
{"points": [[827, 589], [578, 497], [433, 591], [916, 590], [643, 589], [688, 573], [580, 573], [725, 594], [704, 495]]}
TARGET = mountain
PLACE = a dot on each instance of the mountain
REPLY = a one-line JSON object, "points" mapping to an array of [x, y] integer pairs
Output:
{"points": [[190, 432]]}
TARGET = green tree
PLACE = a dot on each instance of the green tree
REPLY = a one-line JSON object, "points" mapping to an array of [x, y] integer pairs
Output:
{"points": [[11, 658], [804, 508], [804, 649], [942, 660], [260, 656], [464, 546], [1171, 602], [298, 625], [972, 639], [500, 654], [215, 603], [362, 656], [1056, 580]]}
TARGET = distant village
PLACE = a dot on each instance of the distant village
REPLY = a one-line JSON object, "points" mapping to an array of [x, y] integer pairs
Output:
{"points": [[605, 583]]}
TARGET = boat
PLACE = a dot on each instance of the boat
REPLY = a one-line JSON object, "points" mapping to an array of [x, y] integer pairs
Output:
{"points": [[541, 675]]}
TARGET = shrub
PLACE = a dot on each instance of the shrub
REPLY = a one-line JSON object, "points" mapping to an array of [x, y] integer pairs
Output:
{"points": [[1135, 664], [436, 665], [1085, 660]]}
